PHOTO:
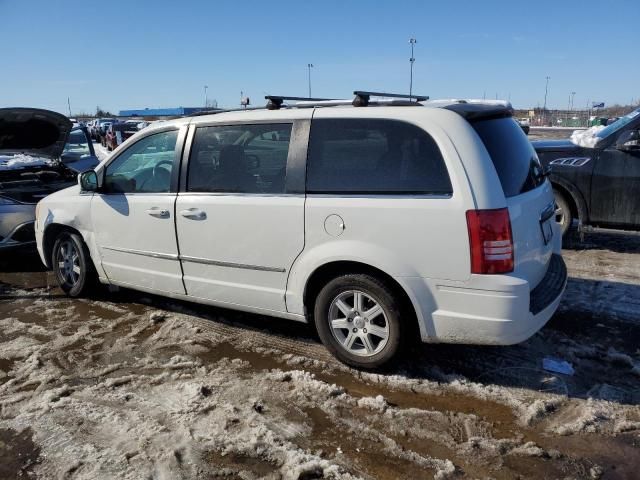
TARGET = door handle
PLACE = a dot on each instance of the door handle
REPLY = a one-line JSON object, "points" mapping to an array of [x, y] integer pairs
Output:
{"points": [[193, 213], [158, 212]]}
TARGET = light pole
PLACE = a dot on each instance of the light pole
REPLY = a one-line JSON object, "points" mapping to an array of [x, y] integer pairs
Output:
{"points": [[205, 95], [570, 106], [309, 67], [544, 108], [412, 41]]}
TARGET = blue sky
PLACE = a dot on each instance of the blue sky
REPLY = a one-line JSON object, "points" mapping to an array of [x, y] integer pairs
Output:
{"points": [[135, 54]]}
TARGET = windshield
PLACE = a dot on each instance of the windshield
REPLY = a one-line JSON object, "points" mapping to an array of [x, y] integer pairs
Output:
{"points": [[618, 124], [77, 143]]}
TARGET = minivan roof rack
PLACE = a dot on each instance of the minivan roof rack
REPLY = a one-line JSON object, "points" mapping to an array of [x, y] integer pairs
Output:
{"points": [[276, 101], [362, 97]]}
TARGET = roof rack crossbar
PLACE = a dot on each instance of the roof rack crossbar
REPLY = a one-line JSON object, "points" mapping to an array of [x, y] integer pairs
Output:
{"points": [[362, 97], [276, 101]]}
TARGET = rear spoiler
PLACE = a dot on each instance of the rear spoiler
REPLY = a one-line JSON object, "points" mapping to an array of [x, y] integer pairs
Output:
{"points": [[478, 111]]}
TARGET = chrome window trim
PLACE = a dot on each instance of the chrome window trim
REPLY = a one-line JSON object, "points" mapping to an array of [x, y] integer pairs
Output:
{"points": [[232, 194], [393, 196]]}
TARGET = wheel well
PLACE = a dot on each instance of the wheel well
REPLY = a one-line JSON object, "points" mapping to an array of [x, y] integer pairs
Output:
{"points": [[324, 274], [49, 238], [569, 198]]}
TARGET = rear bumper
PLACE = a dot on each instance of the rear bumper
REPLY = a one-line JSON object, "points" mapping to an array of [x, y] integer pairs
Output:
{"points": [[497, 310]]}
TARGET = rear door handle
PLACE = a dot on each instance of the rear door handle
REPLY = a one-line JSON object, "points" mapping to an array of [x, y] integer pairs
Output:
{"points": [[158, 212], [193, 213]]}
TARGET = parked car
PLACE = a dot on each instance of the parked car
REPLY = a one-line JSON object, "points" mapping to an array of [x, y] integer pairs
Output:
{"points": [[525, 124], [99, 128], [102, 133], [378, 223], [118, 133], [40, 153], [596, 175]]}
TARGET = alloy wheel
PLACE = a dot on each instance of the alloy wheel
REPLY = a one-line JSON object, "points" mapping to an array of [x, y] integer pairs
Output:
{"points": [[68, 259], [359, 323]]}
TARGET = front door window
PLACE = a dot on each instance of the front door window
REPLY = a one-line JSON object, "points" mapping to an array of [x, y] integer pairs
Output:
{"points": [[145, 167]]}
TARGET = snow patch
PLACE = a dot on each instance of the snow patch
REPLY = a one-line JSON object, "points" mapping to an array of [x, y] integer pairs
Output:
{"points": [[20, 160], [586, 138]]}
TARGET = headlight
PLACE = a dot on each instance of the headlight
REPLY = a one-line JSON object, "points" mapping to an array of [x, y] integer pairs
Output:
{"points": [[7, 201]]}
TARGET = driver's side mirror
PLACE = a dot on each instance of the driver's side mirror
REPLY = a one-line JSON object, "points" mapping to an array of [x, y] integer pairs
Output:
{"points": [[629, 141], [88, 181]]}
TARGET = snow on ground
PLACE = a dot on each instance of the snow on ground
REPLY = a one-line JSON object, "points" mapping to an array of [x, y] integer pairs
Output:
{"points": [[101, 152], [125, 385]]}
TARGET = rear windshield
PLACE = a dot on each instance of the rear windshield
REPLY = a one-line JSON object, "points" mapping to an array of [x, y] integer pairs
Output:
{"points": [[513, 155]]}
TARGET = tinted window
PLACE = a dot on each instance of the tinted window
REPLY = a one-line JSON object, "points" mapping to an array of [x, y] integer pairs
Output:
{"points": [[513, 155], [239, 159], [145, 166], [374, 156]]}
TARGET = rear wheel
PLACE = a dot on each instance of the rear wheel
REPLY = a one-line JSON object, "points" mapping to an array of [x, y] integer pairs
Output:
{"points": [[358, 319], [564, 215], [72, 265]]}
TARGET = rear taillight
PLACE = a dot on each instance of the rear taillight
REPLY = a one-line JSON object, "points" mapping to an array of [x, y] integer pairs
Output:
{"points": [[490, 240]]}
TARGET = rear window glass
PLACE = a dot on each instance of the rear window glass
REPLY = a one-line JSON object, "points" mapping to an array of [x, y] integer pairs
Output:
{"points": [[359, 156], [513, 155]]}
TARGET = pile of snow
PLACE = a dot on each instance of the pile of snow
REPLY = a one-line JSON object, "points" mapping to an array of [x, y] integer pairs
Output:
{"points": [[586, 138], [11, 162]]}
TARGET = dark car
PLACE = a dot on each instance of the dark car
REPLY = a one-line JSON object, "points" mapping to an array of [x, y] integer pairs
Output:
{"points": [[596, 175], [99, 127], [40, 153], [118, 133]]}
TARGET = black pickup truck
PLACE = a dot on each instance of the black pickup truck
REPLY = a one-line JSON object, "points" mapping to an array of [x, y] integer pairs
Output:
{"points": [[596, 175]]}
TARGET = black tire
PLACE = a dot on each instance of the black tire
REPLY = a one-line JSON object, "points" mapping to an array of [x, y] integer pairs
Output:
{"points": [[377, 351], [75, 283], [564, 214]]}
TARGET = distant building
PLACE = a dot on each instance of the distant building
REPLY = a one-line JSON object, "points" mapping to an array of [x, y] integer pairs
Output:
{"points": [[163, 112]]}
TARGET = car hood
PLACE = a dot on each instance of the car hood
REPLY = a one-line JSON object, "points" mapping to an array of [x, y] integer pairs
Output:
{"points": [[33, 132], [554, 145]]}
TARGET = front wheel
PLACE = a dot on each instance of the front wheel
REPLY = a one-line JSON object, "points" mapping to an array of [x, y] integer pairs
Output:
{"points": [[72, 265], [359, 321]]}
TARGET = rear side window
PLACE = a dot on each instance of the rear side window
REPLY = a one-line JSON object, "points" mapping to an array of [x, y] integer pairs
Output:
{"points": [[239, 159], [513, 155], [361, 156]]}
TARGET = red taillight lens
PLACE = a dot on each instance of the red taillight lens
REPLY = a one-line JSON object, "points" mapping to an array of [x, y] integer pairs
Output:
{"points": [[490, 240]]}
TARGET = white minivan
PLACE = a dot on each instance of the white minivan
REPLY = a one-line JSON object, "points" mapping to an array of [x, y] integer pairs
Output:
{"points": [[377, 221]]}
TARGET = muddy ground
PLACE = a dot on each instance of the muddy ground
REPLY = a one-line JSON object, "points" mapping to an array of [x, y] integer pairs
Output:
{"points": [[127, 385]]}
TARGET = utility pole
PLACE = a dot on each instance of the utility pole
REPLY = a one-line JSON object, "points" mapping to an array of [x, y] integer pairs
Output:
{"points": [[69, 105], [205, 96], [412, 41], [570, 107], [544, 108], [309, 67]]}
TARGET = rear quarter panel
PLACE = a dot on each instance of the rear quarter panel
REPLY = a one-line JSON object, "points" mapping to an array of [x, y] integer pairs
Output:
{"points": [[404, 236]]}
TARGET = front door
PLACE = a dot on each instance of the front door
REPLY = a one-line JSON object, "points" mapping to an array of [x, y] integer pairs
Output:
{"points": [[615, 189], [133, 215], [239, 225]]}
